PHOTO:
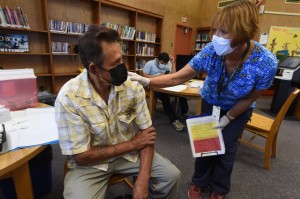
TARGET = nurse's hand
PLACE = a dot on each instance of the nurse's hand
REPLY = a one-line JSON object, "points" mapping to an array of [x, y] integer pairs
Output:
{"points": [[142, 80], [224, 121]]}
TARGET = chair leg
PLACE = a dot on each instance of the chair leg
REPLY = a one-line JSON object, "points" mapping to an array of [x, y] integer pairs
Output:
{"points": [[176, 105], [267, 155], [120, 178], [274, 145], [128, 182]]}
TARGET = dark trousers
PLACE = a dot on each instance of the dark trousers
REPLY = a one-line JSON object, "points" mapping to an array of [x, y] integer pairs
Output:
{"points": [[184, 107], [165, 99], [215, 171]]}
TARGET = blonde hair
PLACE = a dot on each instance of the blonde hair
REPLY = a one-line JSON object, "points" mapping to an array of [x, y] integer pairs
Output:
{"points": [[240, 19]]}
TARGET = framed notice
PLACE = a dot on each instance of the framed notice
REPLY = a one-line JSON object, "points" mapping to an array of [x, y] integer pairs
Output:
{"points": [[204, 139]]}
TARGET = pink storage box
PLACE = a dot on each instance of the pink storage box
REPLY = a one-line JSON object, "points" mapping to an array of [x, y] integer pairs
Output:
{"points": [[18, 89]]}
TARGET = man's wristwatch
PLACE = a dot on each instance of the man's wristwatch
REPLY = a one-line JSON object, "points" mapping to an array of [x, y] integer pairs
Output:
{"points": [[229, 117]]}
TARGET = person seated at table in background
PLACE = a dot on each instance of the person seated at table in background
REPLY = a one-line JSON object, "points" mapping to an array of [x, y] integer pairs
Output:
{"points": [[238, 71], [95, 113], [161, 66]]}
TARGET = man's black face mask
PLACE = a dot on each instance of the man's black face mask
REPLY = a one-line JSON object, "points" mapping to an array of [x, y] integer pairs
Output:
{"points": [[118, 74]]}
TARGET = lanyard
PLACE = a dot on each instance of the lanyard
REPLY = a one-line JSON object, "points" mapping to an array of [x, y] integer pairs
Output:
{"points": [[237, 68]]}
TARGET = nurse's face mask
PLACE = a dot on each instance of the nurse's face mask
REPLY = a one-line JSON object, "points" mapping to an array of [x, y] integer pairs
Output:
{"points": [[221, 45]]}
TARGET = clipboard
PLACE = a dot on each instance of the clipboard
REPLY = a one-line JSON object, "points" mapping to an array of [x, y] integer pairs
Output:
{"points": [[205, 140]]}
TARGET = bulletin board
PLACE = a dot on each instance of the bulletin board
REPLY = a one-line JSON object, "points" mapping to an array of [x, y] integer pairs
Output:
{"points": [[284, 38]]}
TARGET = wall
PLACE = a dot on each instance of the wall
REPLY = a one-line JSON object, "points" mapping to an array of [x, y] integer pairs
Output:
{"points": [[268, 20], [209, 7], [200, 13], [172, 10]]}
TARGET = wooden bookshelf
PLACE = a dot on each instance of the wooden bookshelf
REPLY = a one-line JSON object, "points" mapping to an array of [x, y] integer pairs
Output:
{"points": [[149, 23], [202, 38], [55, 69]]}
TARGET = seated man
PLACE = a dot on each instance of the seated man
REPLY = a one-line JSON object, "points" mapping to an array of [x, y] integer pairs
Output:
{"points": [[161, 66], [95, 113]]}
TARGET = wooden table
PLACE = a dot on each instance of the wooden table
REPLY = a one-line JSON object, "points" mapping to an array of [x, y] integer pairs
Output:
{"points": [[15, 164], [192, 93]]}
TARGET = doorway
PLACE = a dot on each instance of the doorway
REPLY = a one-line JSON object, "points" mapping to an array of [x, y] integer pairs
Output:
{"points": [[183, 38]]}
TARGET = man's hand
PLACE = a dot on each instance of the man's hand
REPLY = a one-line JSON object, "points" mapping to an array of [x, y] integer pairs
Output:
{"points": [[142, 80], [141, 189], [144, 138], [224, 121]]}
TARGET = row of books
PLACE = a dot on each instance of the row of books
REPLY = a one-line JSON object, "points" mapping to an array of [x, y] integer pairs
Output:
{"points": [[125, 32], [145, 36], [15, 18], [67, 27], [61, 47], [203, 37], [144, 50], [14, 43], [199, 46], [140, 63], [124, 48]]}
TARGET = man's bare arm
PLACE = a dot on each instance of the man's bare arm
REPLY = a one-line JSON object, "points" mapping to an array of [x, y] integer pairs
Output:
{"points": [[97, 154], [141, 186]]}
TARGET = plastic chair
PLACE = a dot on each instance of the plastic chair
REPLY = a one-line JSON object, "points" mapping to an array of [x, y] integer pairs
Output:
{"points": [[114, 179], [267, 128]]}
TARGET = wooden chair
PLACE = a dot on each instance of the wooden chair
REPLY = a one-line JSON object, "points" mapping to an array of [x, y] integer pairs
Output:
{"points": [[267, 128], [116, 178]]}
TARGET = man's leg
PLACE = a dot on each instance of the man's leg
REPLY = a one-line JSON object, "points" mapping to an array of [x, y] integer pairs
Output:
{"points": [[164, 177], [85, 182], [184, 107], [169, 111], [165, 99]]}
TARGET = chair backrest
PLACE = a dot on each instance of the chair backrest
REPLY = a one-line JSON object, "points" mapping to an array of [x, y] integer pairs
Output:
{"points": [[279, 117]]}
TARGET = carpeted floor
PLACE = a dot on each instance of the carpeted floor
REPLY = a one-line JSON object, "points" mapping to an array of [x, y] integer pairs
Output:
{"points": [[249, 179]]}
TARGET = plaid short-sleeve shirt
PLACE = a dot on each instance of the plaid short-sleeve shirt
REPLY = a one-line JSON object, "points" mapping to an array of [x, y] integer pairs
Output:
{"points": [[85, 120]]}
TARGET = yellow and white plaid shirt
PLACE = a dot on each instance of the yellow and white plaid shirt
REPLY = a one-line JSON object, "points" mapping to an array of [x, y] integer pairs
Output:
{"points": [[85, 120]]}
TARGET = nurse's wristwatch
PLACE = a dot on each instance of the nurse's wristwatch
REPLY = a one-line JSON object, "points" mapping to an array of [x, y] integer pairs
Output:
{"points": [[230, 118]]}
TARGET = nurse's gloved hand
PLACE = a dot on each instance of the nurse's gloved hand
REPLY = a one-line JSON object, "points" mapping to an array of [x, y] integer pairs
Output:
{"points": [[142, 80], [224, 121]]}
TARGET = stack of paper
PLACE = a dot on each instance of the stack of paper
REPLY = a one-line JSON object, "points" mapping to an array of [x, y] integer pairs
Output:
{"points": [[30, 127], [177, 88]]}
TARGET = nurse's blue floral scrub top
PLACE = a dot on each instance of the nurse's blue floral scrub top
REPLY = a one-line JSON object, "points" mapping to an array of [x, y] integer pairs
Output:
{"points": [[257, 73]]}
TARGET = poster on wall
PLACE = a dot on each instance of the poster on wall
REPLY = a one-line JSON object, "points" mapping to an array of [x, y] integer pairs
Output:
{"points": [[284, 40]]}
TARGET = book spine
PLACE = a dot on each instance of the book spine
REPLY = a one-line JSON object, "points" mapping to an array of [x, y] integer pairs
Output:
{"points": [[13, 18], [22, 16], [9, 16], [6, 17], [16, 18], [2, 18], [18, 14], [26, 24]]}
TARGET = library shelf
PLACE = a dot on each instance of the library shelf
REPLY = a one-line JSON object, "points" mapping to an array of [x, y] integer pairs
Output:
{"points": [[65, 54], [67, 74], [43, 74], [23, 53], [202, 38], [23, 29], [54, 69]]}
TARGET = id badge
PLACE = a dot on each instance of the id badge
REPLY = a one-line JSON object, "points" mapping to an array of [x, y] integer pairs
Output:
{"points": [[216, 112]]}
